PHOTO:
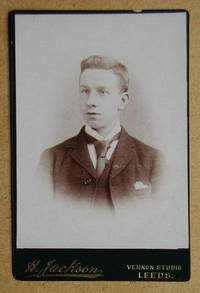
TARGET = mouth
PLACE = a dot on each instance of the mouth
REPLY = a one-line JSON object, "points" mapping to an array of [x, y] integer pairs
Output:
{"points": [[93, 113]]}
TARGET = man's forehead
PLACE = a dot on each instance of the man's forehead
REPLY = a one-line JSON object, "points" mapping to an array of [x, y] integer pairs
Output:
{"points": [[98, 77]]}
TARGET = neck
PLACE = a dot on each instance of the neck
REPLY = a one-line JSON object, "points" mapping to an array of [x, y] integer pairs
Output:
{"points": [[104, 132]]}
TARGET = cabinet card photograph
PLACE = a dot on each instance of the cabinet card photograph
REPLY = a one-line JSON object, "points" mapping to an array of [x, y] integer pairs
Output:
{"points": [[100, 176]]}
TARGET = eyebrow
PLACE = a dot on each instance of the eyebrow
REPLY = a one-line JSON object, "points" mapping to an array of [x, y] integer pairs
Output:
{"points": [[82, 85], [102, 87], [98, 87]]}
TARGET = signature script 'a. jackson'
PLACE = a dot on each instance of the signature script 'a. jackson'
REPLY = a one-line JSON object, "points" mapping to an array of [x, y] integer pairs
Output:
{"points": [[53, 268]]}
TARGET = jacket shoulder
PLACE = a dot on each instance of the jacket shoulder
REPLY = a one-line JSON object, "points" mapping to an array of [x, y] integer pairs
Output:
{"points": [[143, 149], [65, 145], [60, 150]]}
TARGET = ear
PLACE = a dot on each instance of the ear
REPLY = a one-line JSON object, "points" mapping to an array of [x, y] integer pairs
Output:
{"points": [[124, 100]]}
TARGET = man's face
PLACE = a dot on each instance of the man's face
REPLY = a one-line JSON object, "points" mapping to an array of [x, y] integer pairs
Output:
{"points": [[100, 99]]}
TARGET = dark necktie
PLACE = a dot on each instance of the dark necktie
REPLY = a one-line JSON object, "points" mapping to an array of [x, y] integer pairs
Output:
{"points": [[101, 147]]}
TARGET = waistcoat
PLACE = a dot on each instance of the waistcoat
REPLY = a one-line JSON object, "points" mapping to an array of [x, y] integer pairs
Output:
{"points": [[102, 196]]}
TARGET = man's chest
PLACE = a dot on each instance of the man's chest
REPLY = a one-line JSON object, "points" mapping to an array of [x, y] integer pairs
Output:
{"points": [[80, 181]]}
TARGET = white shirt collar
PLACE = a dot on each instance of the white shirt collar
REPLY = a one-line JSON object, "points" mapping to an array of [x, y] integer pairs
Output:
{"points": [[116, 129]]}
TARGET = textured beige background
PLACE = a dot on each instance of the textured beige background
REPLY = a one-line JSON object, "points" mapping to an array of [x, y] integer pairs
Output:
{"points": [[7, 282]]}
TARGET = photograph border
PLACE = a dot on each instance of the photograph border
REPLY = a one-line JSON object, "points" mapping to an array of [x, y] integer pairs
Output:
{"points": [[23, 268]]}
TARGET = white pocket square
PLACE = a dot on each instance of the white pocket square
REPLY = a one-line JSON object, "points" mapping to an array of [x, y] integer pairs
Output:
{"points": [[140, 185]]}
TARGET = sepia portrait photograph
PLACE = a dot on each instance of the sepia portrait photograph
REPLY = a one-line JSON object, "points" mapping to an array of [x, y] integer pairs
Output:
{"points": [[101, 123]]}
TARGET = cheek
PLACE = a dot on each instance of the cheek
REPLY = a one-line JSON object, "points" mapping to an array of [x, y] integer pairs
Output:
{"points": [[82, 103], [112, 106], [115, 101], [110, 112]]}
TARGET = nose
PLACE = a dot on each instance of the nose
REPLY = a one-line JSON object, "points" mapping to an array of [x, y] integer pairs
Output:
{"points": [[92, 99]]}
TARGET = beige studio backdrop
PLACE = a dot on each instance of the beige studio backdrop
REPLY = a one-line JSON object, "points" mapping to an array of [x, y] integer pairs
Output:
{"points": [[139, 88]]}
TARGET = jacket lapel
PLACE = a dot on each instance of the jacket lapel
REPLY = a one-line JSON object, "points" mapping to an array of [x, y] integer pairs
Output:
{"points": [[124, 153], [81, 155]]}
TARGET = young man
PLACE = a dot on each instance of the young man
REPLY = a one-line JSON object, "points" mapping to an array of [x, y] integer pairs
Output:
{"points": [[103, 164]]}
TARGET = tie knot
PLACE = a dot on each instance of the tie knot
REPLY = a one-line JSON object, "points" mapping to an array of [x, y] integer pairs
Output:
{"points": [[102, 147]]}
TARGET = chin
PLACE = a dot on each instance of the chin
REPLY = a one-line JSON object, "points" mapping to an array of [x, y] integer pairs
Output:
{"points": [[94, 126]]}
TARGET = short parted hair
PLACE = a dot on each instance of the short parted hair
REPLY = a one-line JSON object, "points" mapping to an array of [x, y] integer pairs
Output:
{"points": [[101, 62]]}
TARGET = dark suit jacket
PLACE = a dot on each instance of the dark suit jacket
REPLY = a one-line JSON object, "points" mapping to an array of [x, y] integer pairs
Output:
{"points": [[135, 171]]}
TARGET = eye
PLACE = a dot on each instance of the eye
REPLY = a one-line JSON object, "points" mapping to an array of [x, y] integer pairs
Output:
{"points": [[103, 92], [84, 91]]}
